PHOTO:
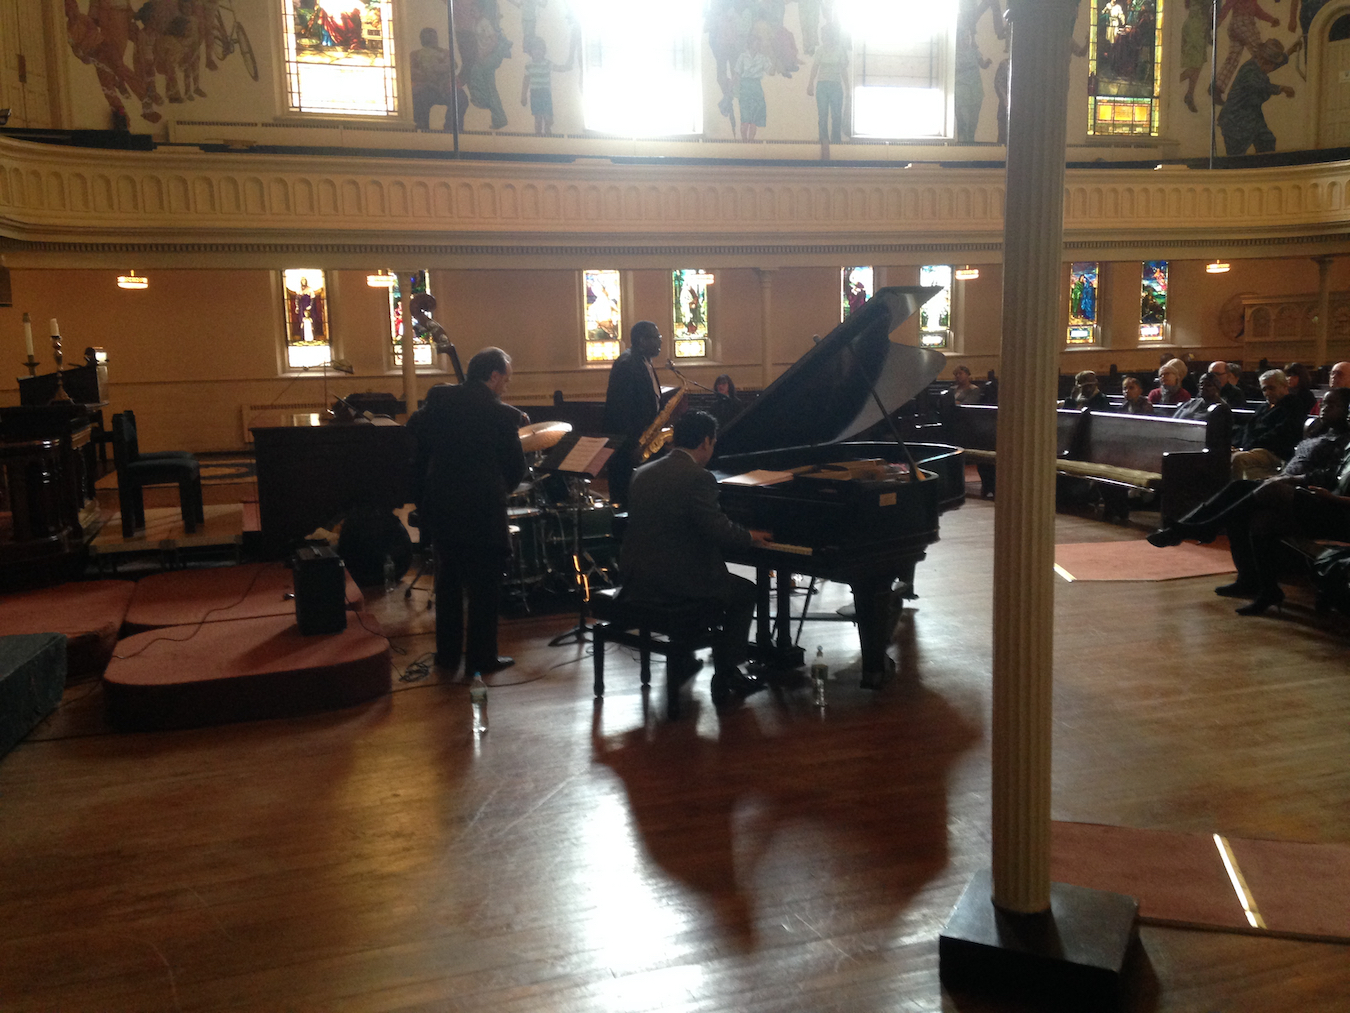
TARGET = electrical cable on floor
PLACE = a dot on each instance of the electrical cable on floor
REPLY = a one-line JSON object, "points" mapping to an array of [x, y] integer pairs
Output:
{"points": [[202, 622]]}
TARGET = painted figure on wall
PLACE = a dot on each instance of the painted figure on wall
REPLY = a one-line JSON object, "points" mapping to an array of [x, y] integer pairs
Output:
{"points": [[167, 38], [492, 48], [829, 83], [1241, 120], [1242, 34], [432, 70], [1301, 14], [536, 89], [747, 75], [529, 20], [969, 86], [1197, 35]]}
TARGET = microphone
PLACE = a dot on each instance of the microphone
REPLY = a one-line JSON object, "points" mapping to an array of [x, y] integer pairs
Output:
{"points": [[687, 379]]}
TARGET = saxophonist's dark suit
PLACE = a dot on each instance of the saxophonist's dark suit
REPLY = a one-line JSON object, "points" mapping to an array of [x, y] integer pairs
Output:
{"points": [[469, 460], [631, 405], [672, 548]]}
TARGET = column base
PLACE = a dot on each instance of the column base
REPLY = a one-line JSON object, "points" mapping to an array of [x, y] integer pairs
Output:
{"points": [[1071, 957]]}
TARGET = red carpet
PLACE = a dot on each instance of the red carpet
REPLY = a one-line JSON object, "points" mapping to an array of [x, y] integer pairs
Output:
{"points": [[1135, 559], [243, 670], [1292, 889], [185, 597], [89, 613]]}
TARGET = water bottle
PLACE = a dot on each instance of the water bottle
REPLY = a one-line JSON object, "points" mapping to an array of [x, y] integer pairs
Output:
{"points": [[478, 700], [819, 673], [390, 581]]}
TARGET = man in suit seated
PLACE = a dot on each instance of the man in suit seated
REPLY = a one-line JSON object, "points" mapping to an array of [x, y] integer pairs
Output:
{"points": [[469, 460], [672, 548]]}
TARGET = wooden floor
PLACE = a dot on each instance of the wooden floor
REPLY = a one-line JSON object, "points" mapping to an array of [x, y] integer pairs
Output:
{"points": [[595, 857]]}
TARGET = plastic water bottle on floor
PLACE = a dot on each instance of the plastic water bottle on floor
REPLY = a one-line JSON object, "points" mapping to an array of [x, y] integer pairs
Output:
{"points": [[820, 672], [478, 701]]}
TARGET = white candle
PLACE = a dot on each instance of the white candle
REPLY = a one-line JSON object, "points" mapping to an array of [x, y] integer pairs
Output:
{"points": [[56, 331], [28, 334]]}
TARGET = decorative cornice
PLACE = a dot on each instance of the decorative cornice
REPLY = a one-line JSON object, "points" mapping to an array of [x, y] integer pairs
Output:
{"points": [[58, 201]]}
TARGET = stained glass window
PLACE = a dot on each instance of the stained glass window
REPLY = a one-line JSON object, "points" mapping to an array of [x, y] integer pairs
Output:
{"points": [[855, 288], [935, 316], [640, 68], [307, 339], [690, 313], [1125, 66], [1083, 304], [1153, 301], [340, 57], [424, 349], [604, 315]]}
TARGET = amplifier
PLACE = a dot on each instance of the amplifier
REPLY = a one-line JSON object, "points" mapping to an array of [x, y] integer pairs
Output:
{"points": [[320, 591]]}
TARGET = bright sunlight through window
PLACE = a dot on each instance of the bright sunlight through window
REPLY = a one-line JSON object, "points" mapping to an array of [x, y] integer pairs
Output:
{"points": [[641, 67]]}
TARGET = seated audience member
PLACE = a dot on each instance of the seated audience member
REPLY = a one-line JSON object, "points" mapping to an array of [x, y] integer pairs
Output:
{"points": [[964, 390], [1311, 499], [673, 545], [1301, 386], [1169, 389], [1228, 386], [1339, 377], [1190, 376], [1198, 407], [1085, 393], [1135, 402], [989, 394], [726, 407], [1268, 440]]}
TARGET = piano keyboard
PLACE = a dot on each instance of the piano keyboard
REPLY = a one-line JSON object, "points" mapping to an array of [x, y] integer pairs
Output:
{"points": [[796, 550]]}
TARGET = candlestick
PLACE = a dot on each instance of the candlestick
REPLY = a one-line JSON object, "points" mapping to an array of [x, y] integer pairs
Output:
{"points": [[28, 334], [60, 394], [31, 364]]}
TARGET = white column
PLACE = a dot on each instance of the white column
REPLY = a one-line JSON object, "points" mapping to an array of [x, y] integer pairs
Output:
{"points": [[1323, 310], [765, 331], [1024, 544]]}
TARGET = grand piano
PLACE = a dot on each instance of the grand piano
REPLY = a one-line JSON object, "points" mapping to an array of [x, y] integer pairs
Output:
{"points": [[841, 518]]}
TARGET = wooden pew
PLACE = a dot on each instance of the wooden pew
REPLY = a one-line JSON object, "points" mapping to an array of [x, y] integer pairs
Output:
{"points": [[1182, 461]]}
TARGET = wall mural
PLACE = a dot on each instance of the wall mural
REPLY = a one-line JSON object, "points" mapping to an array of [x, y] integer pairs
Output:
{"points": [[169, 40], [774, 70]]}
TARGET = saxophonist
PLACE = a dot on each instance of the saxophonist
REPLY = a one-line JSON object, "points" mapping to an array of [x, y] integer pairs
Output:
{"points": [[632, 402]]}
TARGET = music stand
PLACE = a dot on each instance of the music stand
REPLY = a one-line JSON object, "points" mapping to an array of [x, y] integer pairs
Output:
{"points": [[578, 457]]}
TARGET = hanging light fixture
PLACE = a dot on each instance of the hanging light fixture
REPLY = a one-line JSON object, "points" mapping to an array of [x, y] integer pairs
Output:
{"points": [[132, 280], [382, 279], [1217, 267], [966, 273]]}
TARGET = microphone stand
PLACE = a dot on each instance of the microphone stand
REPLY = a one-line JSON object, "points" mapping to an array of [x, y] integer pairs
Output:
{"points": [[670, 364]]}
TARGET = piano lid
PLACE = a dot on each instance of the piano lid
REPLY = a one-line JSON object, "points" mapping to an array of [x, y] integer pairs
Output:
{"points": [[825, 396]]}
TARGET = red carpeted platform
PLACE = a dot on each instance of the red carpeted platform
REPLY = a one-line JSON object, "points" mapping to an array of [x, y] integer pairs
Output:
{"points": [[243, 670], [89, 613], [186, 597]]}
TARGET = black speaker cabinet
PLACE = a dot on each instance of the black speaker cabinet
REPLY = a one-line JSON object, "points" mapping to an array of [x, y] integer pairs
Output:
{"points": [[320, 591]]}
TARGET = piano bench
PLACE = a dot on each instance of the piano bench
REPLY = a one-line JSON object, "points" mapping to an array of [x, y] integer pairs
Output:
{"points": [[685, 627]]}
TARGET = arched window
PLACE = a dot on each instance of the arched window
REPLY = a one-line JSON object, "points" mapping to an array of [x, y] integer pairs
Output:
{"points": [[1124, 66]]}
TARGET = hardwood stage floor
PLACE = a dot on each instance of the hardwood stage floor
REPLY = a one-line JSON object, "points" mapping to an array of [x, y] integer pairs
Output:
{"points": [[595, 857]]}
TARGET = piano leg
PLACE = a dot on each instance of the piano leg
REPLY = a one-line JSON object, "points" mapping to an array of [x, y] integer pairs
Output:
{"points": [[872, 605], [773, 633]]}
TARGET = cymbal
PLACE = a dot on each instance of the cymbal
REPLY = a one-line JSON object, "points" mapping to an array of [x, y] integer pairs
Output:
{"points": [[542, 435]]}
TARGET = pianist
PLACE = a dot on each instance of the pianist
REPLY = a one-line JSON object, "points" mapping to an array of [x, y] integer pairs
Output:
{"points": [[469, 459], [672, 549]]}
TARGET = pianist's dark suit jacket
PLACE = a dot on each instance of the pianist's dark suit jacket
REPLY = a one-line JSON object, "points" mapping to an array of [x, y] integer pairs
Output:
{"points": [[676, 532], [468, 461]]}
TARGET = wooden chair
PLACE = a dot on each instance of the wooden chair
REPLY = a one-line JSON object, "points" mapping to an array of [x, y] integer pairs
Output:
{"points": [[685, 627], [136, 470]]}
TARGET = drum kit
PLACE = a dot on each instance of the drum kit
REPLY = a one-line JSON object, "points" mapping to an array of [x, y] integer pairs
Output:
{"points": [[562, 537]]}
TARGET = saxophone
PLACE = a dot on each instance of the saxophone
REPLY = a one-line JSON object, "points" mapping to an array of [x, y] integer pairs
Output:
{"points": [[656, 435]]}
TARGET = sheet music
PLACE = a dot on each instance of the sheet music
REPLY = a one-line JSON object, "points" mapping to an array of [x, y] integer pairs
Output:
{"points": [[587, 457], [759, 477]]}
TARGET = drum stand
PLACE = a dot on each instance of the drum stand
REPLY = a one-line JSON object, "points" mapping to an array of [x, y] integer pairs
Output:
{"points": [[578, 633]]}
